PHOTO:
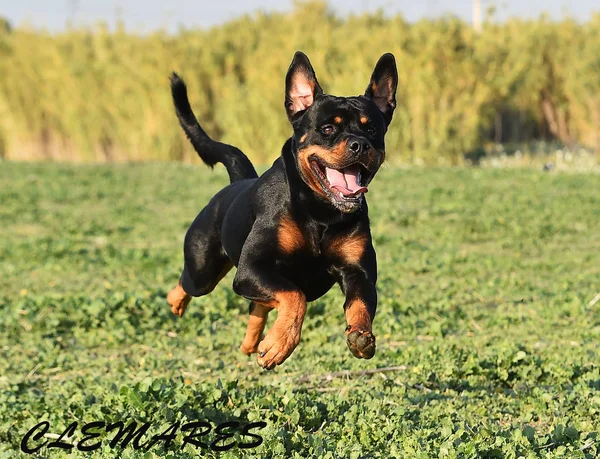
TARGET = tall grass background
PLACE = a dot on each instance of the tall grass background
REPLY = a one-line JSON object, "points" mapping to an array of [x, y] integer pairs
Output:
{"points": [[96, 94]]}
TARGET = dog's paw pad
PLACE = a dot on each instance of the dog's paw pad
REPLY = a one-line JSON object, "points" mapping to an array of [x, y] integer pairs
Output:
{"points": [[361, 343]]}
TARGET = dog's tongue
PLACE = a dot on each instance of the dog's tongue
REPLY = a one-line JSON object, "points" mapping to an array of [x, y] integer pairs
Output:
{"points": [[346, 180]]}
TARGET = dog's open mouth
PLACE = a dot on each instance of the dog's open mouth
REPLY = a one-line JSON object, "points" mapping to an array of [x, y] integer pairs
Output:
{"points": [[345, 186]]}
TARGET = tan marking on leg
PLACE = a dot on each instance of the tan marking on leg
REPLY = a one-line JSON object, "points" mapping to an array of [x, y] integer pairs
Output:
{"points": [[359, 336], [285, 334], [349, 248], [289, 235], [178, 300], [254, 331], [357, 316]]}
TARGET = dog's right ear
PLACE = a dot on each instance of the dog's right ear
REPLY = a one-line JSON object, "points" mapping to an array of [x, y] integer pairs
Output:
{"points": [[383, 85], [301, 85]]}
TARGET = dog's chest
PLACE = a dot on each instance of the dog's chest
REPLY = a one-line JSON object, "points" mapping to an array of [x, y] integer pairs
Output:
{"points": [[312, 244], [316, 242]]}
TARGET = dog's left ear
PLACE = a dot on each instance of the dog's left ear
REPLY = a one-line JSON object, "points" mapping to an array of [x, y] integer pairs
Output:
{"points": [[383, 85], [301, 85]]}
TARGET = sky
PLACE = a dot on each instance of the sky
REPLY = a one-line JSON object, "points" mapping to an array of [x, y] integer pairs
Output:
{"points": [[146, 15]]}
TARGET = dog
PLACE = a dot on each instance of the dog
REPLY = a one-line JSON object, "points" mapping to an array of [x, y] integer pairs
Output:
{"points": [[303, 225]]}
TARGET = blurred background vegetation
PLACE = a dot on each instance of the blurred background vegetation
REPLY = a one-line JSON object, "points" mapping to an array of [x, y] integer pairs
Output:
{"points": [[95, 94]]}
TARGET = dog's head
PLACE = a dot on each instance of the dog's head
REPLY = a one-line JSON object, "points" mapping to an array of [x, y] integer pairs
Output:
{"points": [[339, 140]]}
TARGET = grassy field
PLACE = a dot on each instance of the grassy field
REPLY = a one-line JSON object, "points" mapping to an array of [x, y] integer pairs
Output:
{"points": [[486, 314]]}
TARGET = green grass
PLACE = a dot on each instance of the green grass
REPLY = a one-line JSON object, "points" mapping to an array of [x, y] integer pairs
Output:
{"points": [[486, 282]]}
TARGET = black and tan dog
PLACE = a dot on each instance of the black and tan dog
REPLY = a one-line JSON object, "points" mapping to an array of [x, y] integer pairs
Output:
{"points": [[301, 226]]}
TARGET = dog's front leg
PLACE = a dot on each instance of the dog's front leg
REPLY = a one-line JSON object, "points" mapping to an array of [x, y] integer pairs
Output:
{"points": [[359, 308], [269, 290], [355, 267]]}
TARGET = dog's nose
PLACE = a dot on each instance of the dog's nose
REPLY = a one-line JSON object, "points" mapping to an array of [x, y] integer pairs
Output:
{"points": [[358, 146]]}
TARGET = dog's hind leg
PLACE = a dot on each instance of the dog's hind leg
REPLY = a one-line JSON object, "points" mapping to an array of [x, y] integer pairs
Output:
{"points": [[205, 262], [199, 283]]}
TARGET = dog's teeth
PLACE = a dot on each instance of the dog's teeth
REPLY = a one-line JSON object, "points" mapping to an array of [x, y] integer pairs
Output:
{"points": [[341, 194]]}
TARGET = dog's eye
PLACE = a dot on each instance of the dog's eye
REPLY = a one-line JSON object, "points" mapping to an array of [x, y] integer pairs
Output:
{"points": [[328, 129], [371, 131]]}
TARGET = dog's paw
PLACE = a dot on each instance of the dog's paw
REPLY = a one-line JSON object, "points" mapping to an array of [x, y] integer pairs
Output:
{"points": [[361, 343], [178, 300], [276, 348]]}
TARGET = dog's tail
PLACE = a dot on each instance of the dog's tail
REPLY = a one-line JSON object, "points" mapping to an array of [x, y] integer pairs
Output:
{"points": [[210, 151]]}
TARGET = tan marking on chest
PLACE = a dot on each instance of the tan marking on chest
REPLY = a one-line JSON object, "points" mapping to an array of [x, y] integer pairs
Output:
{"points": [[349, 248], [289, 236]]}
